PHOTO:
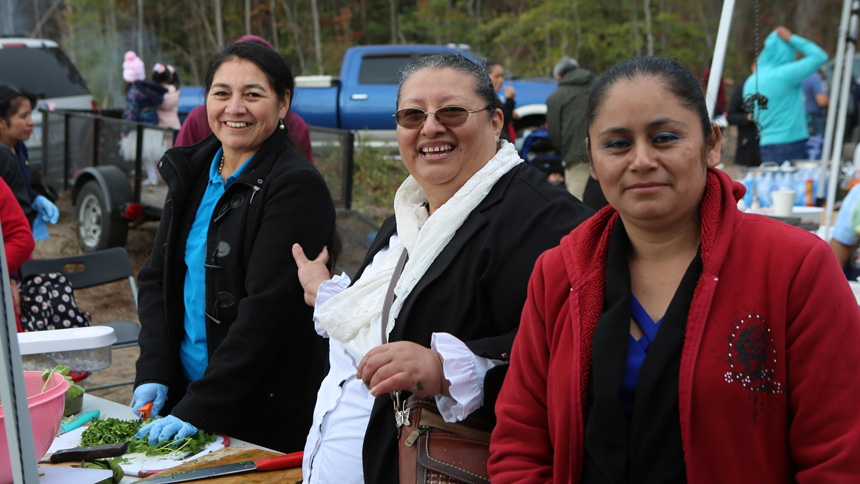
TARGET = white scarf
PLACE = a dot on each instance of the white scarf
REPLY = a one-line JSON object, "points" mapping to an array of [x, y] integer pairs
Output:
{"points": [[354, 316]]}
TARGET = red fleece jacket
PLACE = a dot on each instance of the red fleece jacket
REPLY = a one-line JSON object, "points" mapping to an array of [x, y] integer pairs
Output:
{"points": [[769, 382], [17, 237]]}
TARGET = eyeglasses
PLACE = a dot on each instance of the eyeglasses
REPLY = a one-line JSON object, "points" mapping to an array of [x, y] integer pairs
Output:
{"points": [[449, 116]]}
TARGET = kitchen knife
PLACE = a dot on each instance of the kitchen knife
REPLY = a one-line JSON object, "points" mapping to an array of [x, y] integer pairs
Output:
{"points": [[81, 420], [285, 461], [87, 453]]}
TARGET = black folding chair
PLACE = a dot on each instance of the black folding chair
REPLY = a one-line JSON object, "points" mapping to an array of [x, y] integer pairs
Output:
{"points": [[94, 269]]}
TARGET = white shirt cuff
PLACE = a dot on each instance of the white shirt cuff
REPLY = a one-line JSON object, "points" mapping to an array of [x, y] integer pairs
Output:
{"points": [[465, 370], [326, 291]]}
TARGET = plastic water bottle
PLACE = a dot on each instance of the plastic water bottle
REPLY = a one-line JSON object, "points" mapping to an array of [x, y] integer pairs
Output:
{"points": [[764, 188], [749, 183]]}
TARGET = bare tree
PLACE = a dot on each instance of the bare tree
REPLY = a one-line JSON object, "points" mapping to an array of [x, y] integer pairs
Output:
{"points": [[247, 17], [317, 43], [392, 4], [140, 27], [293, 27], [274, 24], [648, 35], [219, 24]]}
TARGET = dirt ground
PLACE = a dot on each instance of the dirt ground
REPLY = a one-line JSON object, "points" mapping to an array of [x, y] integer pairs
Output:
{"points": [[112, 302]]}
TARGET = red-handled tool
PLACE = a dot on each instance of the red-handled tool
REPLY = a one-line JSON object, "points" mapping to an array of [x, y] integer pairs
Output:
{"points": [[145, 410], [143, 413], [286, 461]]}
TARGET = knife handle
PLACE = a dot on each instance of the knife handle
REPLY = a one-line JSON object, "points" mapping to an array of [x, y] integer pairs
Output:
{"points": [[82, 419], [86, 453], [145, 410], [286, 461]]}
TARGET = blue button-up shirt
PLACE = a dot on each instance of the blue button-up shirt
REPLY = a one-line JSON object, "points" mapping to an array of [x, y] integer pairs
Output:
{"points": [[194, 352]]}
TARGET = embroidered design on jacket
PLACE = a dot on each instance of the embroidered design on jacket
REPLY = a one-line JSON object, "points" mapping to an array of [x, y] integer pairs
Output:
{"points": [[752, 359]]}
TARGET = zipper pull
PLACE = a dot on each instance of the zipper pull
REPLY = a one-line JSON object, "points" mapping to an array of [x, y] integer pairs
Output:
{"points": [[410, 441], [256, 189]]}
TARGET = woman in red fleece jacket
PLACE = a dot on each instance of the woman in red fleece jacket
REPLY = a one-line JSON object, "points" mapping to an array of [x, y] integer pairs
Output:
{"points": [[671, 337], [17, 237]]}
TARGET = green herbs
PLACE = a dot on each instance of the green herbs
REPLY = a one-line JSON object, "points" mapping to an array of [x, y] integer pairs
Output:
{"points": [[109, 431], [189, 445], [74, 390], [112, 430]]}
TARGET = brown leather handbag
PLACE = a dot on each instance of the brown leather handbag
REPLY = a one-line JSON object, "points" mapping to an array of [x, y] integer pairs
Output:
{"points": [[432, 450]]}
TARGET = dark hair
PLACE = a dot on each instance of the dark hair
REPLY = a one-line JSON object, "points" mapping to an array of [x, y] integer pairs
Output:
{"points": [[274, 66], [677, 79], [163, 73], [11, 98], [483, 86], [491, 63]]}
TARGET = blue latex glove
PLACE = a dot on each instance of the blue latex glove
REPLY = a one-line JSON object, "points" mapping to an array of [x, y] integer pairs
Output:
{"points": [[40, 230], [164, 429], [47, 210], [149, 392]]}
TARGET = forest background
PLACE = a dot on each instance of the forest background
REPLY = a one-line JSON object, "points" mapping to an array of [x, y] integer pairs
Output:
{"points": [[527, 36]]}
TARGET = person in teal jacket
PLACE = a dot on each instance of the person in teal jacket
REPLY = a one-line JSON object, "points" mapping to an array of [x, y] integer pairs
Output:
{"points": [[780, 76]]}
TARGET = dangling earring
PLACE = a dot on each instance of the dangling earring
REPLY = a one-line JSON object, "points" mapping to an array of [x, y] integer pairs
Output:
{"points": [[281, 124]]}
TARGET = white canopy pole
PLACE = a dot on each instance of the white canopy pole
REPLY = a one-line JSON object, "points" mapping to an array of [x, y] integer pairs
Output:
{"points": [[719, 56], [836, 159], [835, 90]]}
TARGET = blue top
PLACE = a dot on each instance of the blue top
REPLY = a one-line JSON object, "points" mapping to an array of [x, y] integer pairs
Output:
{"points": [[636, 351], [812, 86], [779, 79], [845, 227], [193, 351]]}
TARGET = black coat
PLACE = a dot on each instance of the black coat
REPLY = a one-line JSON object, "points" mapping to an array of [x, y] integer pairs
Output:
{"points": [[476, 287], [747, 153], [10, 171], [265, 359]]}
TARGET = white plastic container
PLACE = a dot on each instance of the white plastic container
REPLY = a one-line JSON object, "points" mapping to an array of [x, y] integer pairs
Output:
{"points": [[82, 349]]}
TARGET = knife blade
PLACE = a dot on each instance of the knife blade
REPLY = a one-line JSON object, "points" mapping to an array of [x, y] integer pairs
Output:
{"points": [[285, 461], [81, 420], [87, 453]]}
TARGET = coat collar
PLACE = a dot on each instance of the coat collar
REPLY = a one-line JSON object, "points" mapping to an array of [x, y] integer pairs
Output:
{"points": [[182, 165]]}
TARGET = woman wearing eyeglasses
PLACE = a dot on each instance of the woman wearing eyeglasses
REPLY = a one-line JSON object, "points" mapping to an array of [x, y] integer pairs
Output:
{"points": [[472, 219]]}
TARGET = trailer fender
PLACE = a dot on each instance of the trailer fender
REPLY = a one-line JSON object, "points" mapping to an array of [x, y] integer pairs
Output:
{"points": [[114, 185]]}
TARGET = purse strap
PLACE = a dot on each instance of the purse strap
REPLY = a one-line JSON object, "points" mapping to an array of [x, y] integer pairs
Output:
{"points": [[389, 295], [401, 416]]}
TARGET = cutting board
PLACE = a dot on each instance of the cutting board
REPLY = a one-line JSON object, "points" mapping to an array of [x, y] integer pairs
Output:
{"points": [[239, 454], [67, 475], [137, 463]]}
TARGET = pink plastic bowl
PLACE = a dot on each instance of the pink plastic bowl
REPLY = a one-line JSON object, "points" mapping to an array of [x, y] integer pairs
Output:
{"points": [[46, 412]]}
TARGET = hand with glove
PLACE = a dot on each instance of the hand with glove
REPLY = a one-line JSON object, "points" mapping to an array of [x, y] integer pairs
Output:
{"points": [[149, 392], [164, 429], [48, 212]]}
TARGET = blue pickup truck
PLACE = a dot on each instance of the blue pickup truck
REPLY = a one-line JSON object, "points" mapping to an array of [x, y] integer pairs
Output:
{"points": [[363, 97]]}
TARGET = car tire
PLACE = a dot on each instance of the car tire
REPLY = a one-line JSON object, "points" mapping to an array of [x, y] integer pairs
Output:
{"points": [[97, 229]]}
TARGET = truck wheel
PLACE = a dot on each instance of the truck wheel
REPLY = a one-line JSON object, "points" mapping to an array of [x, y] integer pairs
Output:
{"points": [[97, 229]]}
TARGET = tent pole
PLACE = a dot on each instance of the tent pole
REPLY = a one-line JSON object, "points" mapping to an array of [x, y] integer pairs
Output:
{"points": [[835, 89], [836, 157], [719, 57]]}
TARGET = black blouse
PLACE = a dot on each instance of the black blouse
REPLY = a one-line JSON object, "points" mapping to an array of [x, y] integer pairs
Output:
{"points": [[647, 448]]}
